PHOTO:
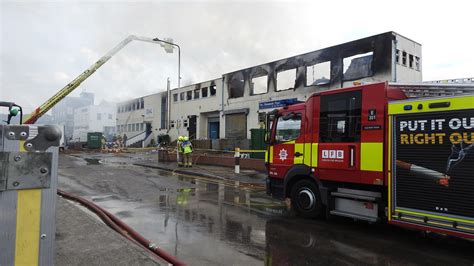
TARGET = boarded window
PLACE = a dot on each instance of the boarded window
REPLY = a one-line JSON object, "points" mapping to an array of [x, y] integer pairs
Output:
{"points": [[286, 79], [204, 92], [318, 74], [259, 85], [358, 66], [212, 89], [236, 126]]}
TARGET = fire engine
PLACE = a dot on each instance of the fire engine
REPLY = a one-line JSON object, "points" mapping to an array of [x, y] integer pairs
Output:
{"points": [[370, 152]]}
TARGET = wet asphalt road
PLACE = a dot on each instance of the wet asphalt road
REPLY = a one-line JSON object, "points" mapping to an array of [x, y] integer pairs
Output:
{"points": [[204, 221]]}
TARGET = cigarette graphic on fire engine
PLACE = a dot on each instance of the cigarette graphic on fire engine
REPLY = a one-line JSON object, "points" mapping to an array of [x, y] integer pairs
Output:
{"points": [[440, 178]]}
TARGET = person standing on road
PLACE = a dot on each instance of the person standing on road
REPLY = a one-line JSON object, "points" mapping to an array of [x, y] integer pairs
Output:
{"points": [[187, 150], [179, 155], [103, 142], [125, 140]]}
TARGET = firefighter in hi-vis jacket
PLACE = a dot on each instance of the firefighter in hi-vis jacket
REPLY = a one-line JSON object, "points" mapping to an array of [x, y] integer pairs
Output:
{"points": [[180, 150], [187, 149]]}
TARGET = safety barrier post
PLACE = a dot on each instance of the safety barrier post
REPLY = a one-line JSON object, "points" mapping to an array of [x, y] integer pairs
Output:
{"points": [[237, 160]]}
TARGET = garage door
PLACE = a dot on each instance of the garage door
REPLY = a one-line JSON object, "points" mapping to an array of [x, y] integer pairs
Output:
{"points": [[236, 126]]}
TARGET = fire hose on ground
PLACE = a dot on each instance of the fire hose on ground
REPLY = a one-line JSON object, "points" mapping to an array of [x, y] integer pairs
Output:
{"points": [[122, 228]]}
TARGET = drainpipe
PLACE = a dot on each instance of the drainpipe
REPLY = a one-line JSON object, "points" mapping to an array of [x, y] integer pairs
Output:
{"points": [[168, 114], [222, 106]]}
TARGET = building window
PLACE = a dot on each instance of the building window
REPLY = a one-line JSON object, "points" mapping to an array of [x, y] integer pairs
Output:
{"points": [[164, 108], [189, 95], [141, 127], [340, 117], [236, 85], [397, 56], [286, 80], [288, 127], [99, 116], [175, 97], [142, 103], [410, 60], [358, 66], [129, 127], [404, 58], [204, 92], [196, 93], [259, 85], [417, 63], [212, 90], [318, 74], [181, 96]]}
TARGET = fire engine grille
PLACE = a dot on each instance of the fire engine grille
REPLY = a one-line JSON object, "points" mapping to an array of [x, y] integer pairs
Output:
{"points": [[425, 154]]}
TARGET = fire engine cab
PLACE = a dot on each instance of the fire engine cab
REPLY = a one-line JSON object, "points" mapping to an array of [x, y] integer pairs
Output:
{"points": [[370, 153]]}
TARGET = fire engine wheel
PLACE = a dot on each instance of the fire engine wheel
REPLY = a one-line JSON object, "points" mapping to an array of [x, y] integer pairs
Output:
{"points": [[305, 199]]}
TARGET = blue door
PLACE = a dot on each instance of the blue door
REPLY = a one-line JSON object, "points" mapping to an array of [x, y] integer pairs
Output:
{"points": [[213, 130]]}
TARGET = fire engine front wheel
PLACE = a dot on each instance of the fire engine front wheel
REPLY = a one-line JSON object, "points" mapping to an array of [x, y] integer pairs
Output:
{"points": [[305, 199]]}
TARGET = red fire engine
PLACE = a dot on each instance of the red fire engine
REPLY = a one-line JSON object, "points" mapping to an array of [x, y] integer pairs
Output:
{"points": [[370, 153]]}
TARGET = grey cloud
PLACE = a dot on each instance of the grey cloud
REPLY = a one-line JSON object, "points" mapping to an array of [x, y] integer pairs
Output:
{"points": [[44, 41]]}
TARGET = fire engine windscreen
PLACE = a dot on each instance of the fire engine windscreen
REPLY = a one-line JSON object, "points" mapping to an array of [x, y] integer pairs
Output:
{"points": [[288, 127]]}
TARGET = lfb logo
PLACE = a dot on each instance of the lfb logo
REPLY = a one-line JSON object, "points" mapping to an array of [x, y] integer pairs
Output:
{"points": [[333, 154], [283, 154]]}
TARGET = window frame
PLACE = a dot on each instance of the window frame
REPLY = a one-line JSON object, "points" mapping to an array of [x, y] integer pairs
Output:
{"points": [[204, 92], [313, 65], [281, 119], [356, 56], [351, 116]]}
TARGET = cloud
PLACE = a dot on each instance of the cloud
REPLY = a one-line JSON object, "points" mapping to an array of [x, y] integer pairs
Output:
{"points": [[44, 45]]}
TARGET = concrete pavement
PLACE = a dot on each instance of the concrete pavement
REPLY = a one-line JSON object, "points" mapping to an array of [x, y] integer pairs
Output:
{"points": [[82, 239]]}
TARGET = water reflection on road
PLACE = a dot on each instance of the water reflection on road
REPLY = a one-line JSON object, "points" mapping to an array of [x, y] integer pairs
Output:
{"points": [[206, 221]]}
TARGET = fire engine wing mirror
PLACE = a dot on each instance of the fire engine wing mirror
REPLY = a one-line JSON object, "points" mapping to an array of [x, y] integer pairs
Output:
{"points": [[288, 116], [271, 117]]}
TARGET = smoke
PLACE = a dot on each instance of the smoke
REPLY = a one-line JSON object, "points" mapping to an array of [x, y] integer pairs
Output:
{"points": [[458, 153]]}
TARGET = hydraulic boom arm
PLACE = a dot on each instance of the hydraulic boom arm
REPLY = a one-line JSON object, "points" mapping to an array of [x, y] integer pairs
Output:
{"points": [[46, 106]]}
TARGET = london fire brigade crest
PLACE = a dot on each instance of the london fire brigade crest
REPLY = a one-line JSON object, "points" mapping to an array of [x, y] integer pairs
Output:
{"points": [[283, 154]]}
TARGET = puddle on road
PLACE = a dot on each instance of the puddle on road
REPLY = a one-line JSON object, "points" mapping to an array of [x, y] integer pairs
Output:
{"points": [[93, 161]]}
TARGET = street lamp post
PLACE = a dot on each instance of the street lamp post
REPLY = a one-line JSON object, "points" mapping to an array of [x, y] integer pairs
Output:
{"points": [[168, 50]]}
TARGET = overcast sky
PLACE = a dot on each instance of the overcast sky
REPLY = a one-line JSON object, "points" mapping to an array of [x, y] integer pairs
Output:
{"points": [[44, 45]]}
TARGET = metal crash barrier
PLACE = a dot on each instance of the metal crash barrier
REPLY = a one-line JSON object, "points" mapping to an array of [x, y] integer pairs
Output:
{"points": [[28, 180]]}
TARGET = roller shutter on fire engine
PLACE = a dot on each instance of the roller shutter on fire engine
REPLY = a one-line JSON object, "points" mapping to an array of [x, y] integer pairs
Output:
{"points": [[434, 162]]}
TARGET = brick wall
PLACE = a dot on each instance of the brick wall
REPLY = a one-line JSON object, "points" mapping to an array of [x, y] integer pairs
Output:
{"points": [[226, 161]]}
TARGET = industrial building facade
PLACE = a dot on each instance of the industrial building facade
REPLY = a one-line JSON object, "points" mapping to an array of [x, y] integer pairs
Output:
{"points": [[229, 106]]}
